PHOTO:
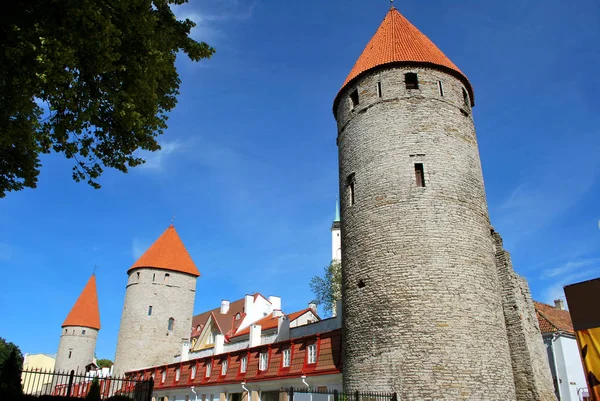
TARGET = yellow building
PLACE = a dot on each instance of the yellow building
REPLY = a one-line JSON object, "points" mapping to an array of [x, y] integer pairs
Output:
{"points": [[36, 383]]}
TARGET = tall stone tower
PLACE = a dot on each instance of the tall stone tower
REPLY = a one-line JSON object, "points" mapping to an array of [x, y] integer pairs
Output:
{"points": [[422, 306], [159, 304], [79, 332]]}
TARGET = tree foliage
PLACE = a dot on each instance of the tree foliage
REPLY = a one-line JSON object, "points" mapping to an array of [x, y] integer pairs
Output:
{"points": [[94, 391], [328, 289], [104, 363], [11, 364], [90, 79]]}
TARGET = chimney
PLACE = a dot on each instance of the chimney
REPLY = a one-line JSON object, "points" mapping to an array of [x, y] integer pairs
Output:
{"points": [[313, 306], [277, 313], [559, 304], [219, 344], [255, 331], [224, 307], [185, 350]]}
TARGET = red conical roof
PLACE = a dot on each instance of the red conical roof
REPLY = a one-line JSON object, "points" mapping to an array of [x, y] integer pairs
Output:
{"points": [[85, 312], [397, 40], [169, 253]]}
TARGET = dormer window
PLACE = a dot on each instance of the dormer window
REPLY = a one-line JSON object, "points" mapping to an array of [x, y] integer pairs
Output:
{"points": [[354, 98], [238, 316], [411, 80]]}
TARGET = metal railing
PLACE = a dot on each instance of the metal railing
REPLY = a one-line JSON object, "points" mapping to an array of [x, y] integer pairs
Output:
{"points": [[335, 395], [72, 384]]}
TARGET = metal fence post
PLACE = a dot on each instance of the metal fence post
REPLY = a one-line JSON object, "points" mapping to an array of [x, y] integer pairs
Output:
{"points": [[70, 385], [356, 396], [336, 395], [291, 394]]}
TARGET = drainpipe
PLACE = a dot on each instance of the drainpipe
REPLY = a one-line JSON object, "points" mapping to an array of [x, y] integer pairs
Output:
{"points": [[303, 377], [195, 394], [244, 387], [554, 337]]}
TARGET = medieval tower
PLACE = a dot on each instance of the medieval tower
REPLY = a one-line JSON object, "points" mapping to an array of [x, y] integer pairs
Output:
{"points": [[79, 332], [423, 304], [159, 304]]}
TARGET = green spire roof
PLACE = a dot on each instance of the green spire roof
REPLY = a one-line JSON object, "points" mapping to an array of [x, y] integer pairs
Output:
{"points": [[337, 211]]}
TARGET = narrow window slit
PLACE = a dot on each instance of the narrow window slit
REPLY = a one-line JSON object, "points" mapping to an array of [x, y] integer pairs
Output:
{"points": [[419, 175], [354, 98], [350, 182], [465, 97], [441, 88], [379, 92]]}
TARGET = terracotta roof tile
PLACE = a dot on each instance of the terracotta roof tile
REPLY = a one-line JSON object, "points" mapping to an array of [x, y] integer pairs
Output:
{"points": [[553, 320], [226, 322], [397, 40], [168, 253], [85, 312]]}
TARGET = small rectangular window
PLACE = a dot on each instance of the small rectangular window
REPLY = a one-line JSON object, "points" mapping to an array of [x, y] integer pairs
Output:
{"points": [[208, 369], [354, 98], [224, 367], [465, 97], [70, 353], [83, 331], [177, 374], [243, 364], [441, 88], [167, 275], [312, 353], [164, 376], [193, 372], [286, 361], [419, 175], [379, 93], [264, 361], [412, 80], [150, 310]]}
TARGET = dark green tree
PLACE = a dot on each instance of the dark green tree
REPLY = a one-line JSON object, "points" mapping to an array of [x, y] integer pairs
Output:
{"points": [[104, 363], [92, 80], [328, 289], [10, 370], [94, 391]]}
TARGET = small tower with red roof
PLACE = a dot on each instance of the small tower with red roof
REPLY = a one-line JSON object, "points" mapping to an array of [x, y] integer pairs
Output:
{"points": [[79, 332], [159, 304]]}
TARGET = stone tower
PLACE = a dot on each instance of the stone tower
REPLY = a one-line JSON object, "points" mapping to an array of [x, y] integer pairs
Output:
{"points": [[159, 304], [422, 306], [79, 332]]}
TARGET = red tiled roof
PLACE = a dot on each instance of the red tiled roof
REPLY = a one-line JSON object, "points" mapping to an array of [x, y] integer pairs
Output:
{"points": [[397, 40], [168, 253], [296, 315], [226, 322], [553, 320], [85, 312], [271, 322]]}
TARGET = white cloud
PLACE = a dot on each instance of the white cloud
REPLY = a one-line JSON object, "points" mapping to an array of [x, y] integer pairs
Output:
{"points": [[157, 161], [568, 273]]}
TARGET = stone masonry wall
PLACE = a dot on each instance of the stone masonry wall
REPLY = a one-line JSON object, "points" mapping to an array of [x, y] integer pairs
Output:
{"points": [[76, 348], [531, 369], [422, 309], [145, 340]]}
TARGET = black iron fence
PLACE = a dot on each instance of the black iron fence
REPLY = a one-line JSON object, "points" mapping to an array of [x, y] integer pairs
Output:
{"points": [[72, 384], [324, 394]]}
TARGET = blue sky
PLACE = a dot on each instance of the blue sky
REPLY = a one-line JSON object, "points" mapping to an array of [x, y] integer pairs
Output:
{"points": [[249, 162]]}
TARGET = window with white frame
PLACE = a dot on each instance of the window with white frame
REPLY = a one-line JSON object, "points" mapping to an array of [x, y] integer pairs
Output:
{"points": [[287, 358], [263, 362], [164, 376], [244, 364], [208, 369], [193, 372], [312, 353], [224, 367], [211, 338], [177, 374]]}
